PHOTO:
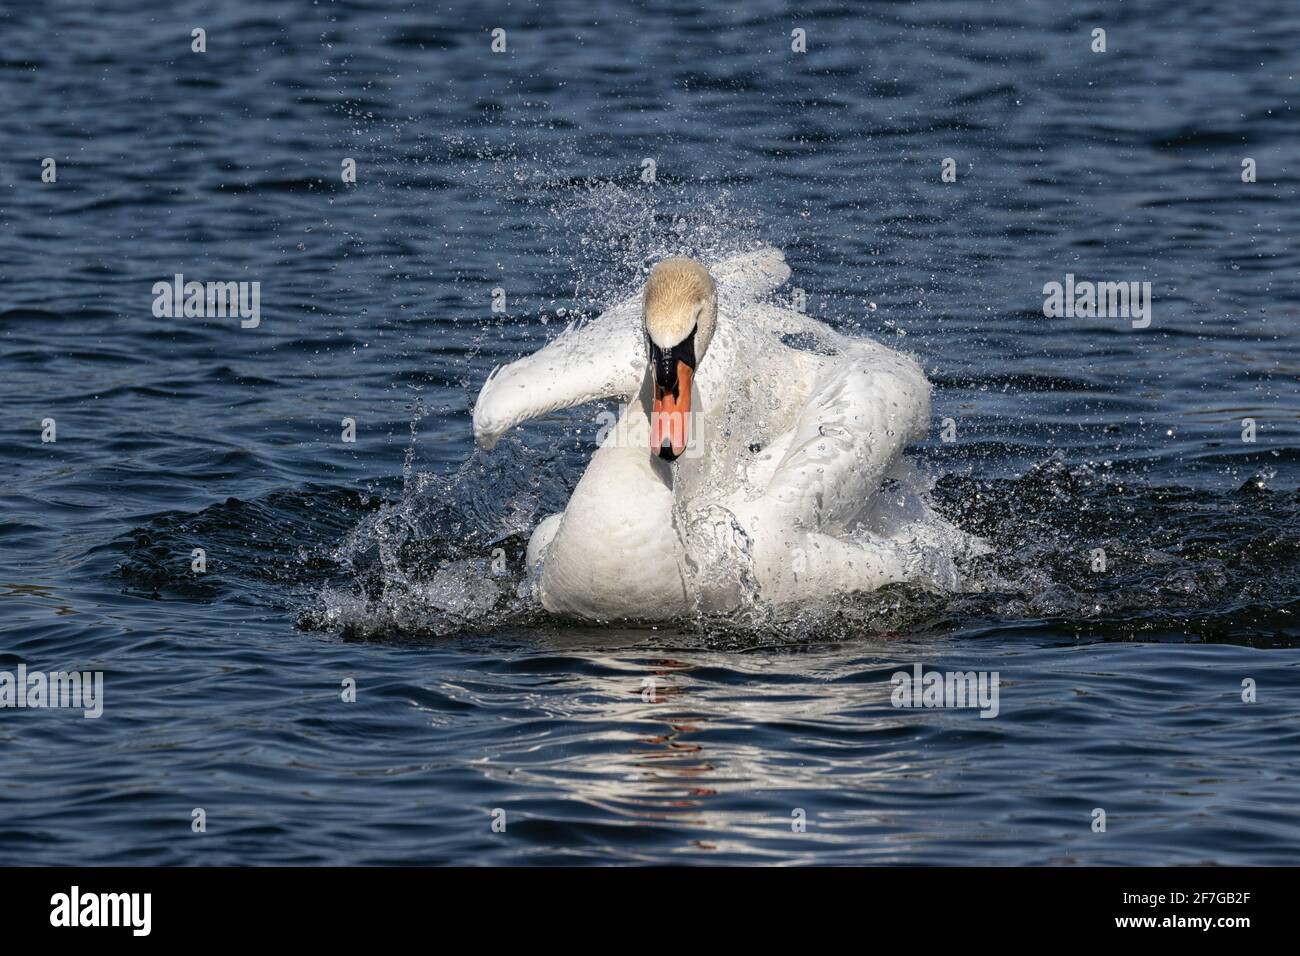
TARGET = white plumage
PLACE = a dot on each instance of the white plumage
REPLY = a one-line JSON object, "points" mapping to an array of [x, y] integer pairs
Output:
{"points": [[778, 498]]}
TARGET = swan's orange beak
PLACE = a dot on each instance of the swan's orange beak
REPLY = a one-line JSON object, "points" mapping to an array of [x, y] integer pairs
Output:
{"points": [[672, 408]]}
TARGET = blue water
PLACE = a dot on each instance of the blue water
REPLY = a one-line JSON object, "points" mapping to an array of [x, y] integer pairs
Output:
{"points": [[374, 560]]}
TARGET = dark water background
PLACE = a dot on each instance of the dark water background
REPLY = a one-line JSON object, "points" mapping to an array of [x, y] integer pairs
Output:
{"points": [[1120, 690]]}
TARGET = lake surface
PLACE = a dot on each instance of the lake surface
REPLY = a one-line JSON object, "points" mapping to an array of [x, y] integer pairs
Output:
{"points": [[395, 561]]}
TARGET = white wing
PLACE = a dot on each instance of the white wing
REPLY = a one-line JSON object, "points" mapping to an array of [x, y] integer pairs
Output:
{"points": [[865, 406], [604, 358]]}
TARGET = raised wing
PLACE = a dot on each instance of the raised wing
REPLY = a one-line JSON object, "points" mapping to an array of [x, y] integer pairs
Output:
{"points": [[603, 358], [865, 407]]}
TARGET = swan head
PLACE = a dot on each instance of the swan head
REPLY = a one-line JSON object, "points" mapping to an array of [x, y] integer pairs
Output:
{"points": [[680, 311]]}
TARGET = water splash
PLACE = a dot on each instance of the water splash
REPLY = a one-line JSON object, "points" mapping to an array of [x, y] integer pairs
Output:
{"points": [[1182, 563], [445, 555]]}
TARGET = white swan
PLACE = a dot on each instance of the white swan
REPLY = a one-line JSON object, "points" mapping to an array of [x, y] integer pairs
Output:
{"points": [[740, 467]]}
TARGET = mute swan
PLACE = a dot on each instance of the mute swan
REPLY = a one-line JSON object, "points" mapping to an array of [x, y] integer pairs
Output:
{"points": [[740, 467]]}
